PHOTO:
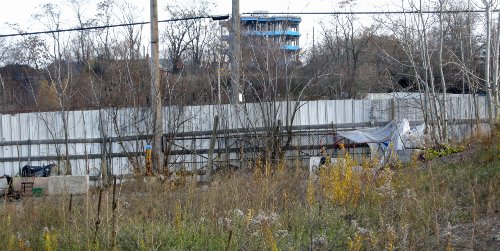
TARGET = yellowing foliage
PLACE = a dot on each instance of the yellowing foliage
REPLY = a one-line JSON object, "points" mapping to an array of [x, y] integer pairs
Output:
{"points": [[178, 215], [49, 239], [341, 185], [310, 197], [47, 96], [268, 234], [356, 243]]}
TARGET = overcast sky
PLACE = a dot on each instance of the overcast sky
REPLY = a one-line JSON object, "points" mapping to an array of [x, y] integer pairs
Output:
{"points": [[21, 11]]}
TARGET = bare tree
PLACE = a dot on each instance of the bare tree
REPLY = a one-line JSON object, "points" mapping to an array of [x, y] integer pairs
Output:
{"points": [[104, 17], [488, 5], [133, 35], [79, 8], [50, 17], [345, 45], [30, 50], [187, 40], [3, 50], [444, 132], [271, 77]]}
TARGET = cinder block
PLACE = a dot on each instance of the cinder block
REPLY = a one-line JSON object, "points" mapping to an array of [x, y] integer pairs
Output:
{"points": [[68, 184]]}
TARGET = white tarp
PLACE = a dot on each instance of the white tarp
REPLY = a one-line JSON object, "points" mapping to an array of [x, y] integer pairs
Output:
{"points": [[414, 138], [371, 135], [384, 141]]}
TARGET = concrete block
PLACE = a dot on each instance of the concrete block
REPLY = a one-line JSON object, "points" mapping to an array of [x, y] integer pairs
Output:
{"points": [[39, 182], [315, 163], [406, 155], [68, 184], [4, 186]]}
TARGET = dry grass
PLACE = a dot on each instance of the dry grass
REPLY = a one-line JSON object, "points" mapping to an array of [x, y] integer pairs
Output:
{"points": [[407, 208]]}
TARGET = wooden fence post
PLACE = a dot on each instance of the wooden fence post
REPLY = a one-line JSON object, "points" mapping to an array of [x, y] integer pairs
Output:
{"points": [[211, 149], [394, 107]]}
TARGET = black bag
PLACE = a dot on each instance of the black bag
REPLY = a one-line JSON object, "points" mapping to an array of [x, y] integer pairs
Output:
{"points": [[36, 171]]}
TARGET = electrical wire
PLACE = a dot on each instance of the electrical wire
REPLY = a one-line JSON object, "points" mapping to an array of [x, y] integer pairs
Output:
{"points": [[246, 13], [110, 26], [370, 12]]}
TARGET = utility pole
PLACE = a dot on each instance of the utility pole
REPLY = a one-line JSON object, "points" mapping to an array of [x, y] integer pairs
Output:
{"points": [[155, 91], [237, 95], [495, 74], [219, 66], [314, 47], [487, 62]]}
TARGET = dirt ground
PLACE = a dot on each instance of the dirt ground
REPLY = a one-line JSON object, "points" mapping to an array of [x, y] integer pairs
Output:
{"points": [[483, 234]]}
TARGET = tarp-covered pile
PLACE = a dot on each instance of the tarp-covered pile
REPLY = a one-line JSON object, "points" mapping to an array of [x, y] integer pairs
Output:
{"points": [[385, 141]]}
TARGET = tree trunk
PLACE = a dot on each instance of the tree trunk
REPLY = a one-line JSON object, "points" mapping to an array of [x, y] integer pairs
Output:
{"points": [[441, 72]]}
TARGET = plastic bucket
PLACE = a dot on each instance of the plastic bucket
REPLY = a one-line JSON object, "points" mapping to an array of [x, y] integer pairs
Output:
{"points": [[37, 191]]}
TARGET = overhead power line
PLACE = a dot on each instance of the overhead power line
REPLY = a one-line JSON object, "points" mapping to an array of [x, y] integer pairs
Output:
{"points": [[369, 12], [215, 18], [224, 17]]}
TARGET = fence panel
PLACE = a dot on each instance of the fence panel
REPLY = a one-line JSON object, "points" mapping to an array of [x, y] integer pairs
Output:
{"points": [[38, 138]]}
